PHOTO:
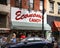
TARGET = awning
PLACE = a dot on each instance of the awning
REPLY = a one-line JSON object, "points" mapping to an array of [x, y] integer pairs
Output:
{"points": [[56, 26], [29, 26]]}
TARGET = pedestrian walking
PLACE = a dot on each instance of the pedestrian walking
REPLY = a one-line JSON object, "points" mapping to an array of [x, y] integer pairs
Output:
{"points": [[13, 39], [22, 36], [55, 44]]}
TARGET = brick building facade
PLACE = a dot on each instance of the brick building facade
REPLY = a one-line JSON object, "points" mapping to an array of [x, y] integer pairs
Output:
{"points": [[53, 17], [24, 26], [4, 16]]}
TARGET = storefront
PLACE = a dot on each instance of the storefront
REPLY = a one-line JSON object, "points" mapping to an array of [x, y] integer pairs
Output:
{"points": [[28, 21], [54, 22], [56, 29]]}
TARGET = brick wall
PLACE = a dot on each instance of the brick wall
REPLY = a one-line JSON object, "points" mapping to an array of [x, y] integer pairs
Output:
{"points": [[36, 4]]}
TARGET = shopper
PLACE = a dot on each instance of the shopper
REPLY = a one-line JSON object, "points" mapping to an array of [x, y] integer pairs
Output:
{"points": [[4, 40], [22, 36], [13, 39], [55, 44], [29, 35]]}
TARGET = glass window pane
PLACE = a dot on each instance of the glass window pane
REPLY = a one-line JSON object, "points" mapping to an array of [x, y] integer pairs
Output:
{"points": [[2, 21], [31, 1], [52, 7], [3, 2], [30, 4], [59, 8], [41, 3], [18, 3]]}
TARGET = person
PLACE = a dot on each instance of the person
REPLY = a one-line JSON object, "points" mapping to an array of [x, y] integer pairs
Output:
{"points": [[4, 42], [53, 39], [4, 39], [29, 35], [33, 34], [22, 36], [55, 44], [13, 39]]}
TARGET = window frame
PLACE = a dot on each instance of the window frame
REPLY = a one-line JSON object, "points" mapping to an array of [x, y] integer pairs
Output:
{"points": [[4, 2], [30, 5], [18, 3], [51, 7], [41, 6], [3, 16], [58, 8]]}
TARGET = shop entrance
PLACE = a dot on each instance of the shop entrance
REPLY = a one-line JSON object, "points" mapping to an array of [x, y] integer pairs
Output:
{"points": [[27, 33], [56, 35]]}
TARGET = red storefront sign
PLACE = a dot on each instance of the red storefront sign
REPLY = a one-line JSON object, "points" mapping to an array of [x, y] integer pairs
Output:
{"points": [[32, 17]]}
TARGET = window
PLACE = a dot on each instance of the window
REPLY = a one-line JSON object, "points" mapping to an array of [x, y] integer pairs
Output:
{"points": [[2, 21], [51, 7], [58, 8], [41, 3], [3, 2], [41, 6], [21, 4], [30, 4], [18, 3]]}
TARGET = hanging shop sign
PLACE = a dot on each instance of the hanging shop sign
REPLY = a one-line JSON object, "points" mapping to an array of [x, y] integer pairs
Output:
{"points": [[28, 19], [32, 17], [23, 15]]}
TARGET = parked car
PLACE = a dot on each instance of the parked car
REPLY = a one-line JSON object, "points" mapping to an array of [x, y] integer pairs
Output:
{"points": [[32, 42]]}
